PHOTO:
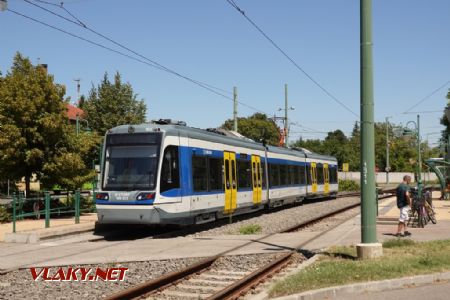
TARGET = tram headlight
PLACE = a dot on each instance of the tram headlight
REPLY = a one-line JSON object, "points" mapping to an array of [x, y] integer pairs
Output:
{"points": [[145, 196], [102, 196]]}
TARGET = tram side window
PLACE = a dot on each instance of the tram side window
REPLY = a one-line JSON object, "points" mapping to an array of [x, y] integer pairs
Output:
{"points": [[284, 179], [308, 175], [295, 174], [274, 175], [336, 177], [263, 167], [291, 171], [170, 170], [301, 170], [320, 178], [333, 175], [215, 174], [244, 169], [200, 173]]}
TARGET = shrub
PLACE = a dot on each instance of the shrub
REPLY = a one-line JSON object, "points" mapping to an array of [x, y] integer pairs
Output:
{"points": [[348, 186], [5, 216]]}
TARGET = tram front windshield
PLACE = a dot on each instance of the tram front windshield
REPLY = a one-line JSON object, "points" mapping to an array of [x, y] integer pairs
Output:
{"points": [[131, 167]]}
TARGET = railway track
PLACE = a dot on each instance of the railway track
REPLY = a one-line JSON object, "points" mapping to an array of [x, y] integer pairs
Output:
{"points": [[209, 279], [117, 235]]}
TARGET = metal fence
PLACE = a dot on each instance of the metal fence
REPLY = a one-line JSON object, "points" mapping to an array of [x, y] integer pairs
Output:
{"points": [[47, 205]]}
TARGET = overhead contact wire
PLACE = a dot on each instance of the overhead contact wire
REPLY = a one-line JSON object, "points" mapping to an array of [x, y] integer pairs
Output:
{"points": [[234, 5]]}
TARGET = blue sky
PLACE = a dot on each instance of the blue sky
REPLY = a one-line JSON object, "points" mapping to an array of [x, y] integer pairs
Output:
{"points": [[211, 42]]}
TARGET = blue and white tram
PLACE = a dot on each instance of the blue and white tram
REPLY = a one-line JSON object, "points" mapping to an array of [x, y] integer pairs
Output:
{"points": [[166, 173]]}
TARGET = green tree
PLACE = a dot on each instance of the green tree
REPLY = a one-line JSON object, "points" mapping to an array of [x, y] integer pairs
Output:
{"points": [[112, 104], [257, 127], [34, 124], [72, 161], [445, 122], [313, 145], [32, 114]]}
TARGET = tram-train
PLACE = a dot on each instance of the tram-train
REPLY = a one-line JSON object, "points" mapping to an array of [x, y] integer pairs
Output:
{"points": [[168, 173]]}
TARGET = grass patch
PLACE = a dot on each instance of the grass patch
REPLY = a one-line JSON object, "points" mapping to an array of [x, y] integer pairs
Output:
{"points": [[250, 229], [402, 257]]}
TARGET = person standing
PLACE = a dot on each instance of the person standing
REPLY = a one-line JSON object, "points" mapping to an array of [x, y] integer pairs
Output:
{"points": [[404, 203]]}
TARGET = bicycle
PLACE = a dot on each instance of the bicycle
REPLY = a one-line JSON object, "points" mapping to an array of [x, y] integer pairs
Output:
{"points": [[418, 213]]}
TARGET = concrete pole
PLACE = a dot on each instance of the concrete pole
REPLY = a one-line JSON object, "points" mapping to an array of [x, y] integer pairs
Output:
{"points": [[286, 123], [419, 161], [369, 247], [235, 125], [387, 151]]}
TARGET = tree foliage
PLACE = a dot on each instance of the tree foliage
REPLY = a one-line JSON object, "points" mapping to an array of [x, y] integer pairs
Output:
{"points": [[402, 152], [111, 104], [445, 122], [34, 124], [257, 127]]}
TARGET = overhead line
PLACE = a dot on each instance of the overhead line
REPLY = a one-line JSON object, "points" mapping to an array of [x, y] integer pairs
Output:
{"points": [[234, 5], [83, 25], [426, 97], [152, 63], [134, 58], [117, 52]]}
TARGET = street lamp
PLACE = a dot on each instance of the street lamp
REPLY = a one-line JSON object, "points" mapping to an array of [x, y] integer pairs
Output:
{"points": [[416, 132]]}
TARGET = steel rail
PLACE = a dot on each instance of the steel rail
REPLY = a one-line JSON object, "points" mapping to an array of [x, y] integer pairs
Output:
{"points": [[241, 287], [169, 279], [163, 281]]}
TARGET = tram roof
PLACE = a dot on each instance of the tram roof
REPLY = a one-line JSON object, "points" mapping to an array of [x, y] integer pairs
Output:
{"points": [[213, 136]]}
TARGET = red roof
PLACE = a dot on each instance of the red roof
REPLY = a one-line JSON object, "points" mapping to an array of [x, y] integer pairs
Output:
{"points": [[73, 111]]}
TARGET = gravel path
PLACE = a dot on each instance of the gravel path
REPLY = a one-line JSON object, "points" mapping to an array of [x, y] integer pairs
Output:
{"points": [[282, 219], [20, 285]]}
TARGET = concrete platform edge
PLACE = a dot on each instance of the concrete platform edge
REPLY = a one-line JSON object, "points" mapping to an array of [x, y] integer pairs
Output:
{"points": [[32, 237], [371, 286]]}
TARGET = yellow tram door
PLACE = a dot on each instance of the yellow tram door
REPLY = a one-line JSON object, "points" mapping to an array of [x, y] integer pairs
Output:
{"points": [[326, 176], [256, 179], [314, 177], [230, 182]]}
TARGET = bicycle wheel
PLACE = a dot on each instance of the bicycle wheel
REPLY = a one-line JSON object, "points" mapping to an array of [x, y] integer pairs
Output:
{"points": [[431, 215], [422, 217]]}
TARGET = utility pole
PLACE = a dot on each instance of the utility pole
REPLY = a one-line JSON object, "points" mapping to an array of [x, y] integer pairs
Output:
{"points": [[369, 248], [419, 158], [77, 80], [388, 167], [235, 125], [3, 5], [286, 123]]}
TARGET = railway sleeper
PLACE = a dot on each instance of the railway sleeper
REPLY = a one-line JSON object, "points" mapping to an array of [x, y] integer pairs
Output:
{"points": [[202, 289], [207, 282], [218, 277], [181, 295]]}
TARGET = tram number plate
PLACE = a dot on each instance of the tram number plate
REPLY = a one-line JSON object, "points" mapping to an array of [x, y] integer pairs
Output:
{"points": [[122, 196]]}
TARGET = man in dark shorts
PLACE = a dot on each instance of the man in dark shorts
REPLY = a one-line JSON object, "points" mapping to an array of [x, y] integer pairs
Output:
{"points": [[404, 204]]}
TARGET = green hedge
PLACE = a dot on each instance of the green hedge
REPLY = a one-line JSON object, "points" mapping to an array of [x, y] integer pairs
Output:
{"points": [[348, 186]]}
